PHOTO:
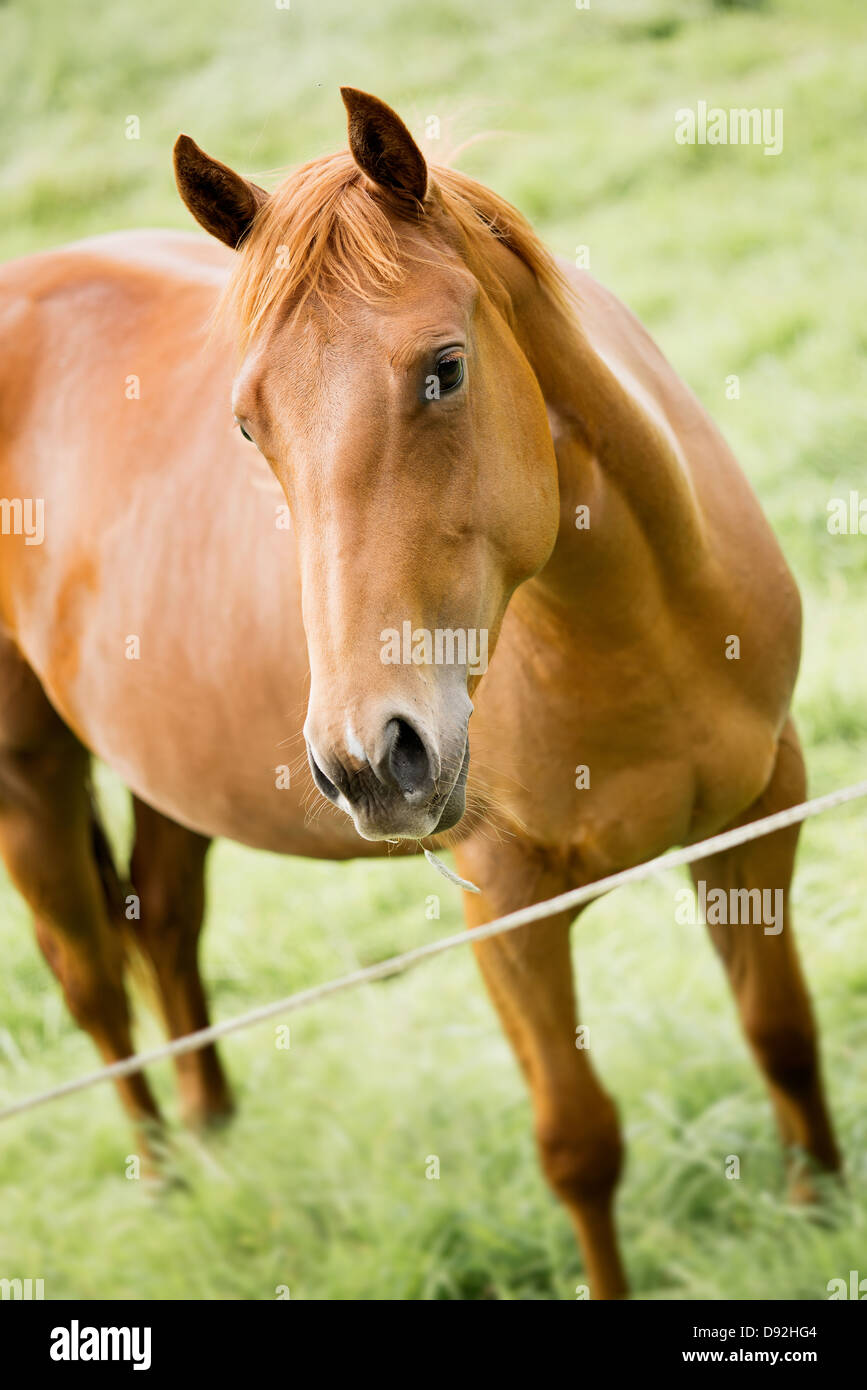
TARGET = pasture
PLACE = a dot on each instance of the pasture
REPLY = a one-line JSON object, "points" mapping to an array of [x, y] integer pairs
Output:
{"points": [[740, 265]]}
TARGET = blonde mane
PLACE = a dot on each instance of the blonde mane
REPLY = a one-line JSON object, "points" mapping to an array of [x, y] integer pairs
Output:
{"points": [[322, 229]]}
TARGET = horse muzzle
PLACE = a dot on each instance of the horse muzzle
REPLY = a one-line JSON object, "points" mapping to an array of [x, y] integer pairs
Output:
{"points": [[405, 788]]}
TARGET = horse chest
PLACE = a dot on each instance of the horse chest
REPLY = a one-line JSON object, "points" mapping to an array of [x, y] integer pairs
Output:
{"points": [[609, 773]]}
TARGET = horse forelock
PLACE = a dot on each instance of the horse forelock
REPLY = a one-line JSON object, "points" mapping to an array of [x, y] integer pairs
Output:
{"points": [[325, 230]]}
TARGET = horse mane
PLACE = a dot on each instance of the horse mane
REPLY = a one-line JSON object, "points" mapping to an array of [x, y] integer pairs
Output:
{"points": [[323, 229]]}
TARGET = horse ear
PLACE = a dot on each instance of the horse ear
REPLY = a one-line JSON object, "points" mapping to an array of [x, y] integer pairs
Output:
{"points": [[382, 146], [219, 199]]}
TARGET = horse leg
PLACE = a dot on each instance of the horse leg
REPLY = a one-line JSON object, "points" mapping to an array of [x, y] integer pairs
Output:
{"points": [[48, 839], [765, 973], [528, 974], [168, 872]]}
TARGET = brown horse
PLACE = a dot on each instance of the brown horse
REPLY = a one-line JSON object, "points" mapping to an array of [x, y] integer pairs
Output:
{"points": [[478, 450]]}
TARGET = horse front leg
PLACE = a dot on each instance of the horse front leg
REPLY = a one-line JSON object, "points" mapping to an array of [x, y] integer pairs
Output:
{"points": [[761, 961], [528, 974]]}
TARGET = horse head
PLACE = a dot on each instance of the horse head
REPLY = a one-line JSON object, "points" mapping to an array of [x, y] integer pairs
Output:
{"points": [[381, 377]]}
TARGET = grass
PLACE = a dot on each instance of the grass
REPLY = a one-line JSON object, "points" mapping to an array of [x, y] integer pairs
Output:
{"points": [[739, 264]]}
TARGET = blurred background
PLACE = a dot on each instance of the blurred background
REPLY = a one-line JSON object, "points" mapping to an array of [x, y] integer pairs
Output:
{"points": [[739, 264]]}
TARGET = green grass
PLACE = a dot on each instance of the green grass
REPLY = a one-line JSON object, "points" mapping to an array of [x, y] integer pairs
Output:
{"points": [[739, 264]]}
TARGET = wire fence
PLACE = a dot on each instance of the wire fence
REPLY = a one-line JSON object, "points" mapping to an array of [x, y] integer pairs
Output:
{"points": [[395, 965]]}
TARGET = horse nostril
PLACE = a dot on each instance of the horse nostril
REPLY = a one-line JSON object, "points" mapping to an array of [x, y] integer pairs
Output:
{"points": [[325, 785], [408, 760]]}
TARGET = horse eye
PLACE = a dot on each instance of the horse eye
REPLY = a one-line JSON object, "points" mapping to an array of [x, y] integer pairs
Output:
{"points": [[244, 432], [450, 373]]}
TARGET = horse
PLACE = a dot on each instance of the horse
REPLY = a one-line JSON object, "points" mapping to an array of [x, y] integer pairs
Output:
{"points": [[275, 468]]}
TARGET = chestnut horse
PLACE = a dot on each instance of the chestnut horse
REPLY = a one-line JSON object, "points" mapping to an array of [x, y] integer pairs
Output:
{"points": [[472, 444]]}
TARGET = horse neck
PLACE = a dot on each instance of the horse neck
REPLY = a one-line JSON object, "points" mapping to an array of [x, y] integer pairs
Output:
{"points": [[617, 455]]}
